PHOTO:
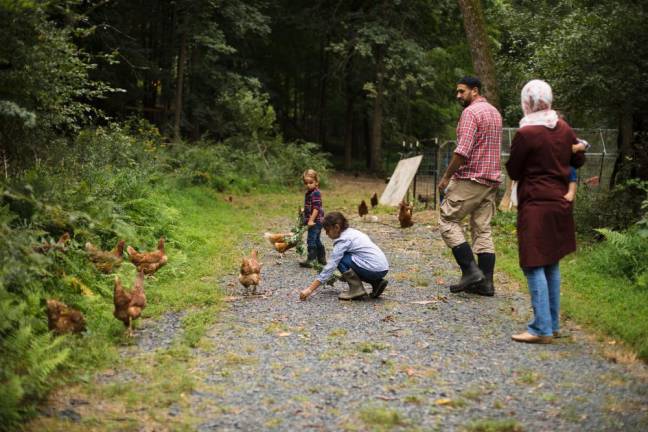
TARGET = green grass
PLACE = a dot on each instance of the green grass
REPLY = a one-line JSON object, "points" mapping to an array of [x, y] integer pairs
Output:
{"points": [[494, 425], [379, 418], [610, 305]]}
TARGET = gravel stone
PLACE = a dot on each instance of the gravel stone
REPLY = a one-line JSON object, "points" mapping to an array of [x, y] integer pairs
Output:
{"points": [[276, 363]]}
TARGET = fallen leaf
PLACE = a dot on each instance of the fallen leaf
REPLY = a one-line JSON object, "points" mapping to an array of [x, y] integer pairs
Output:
{"points": [[423, 302], [440, 281], [389, 318], [231, 298], [443, 401], [284, 334], [410, 372]]}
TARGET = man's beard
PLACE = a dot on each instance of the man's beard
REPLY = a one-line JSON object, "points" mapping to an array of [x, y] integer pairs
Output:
{"points": [[463, 102]]}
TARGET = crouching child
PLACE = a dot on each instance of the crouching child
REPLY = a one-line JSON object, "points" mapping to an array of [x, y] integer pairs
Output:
{"points": [[355, 256]]}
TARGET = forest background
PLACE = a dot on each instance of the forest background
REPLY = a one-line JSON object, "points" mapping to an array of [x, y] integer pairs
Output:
{"points": [[106, 105]]}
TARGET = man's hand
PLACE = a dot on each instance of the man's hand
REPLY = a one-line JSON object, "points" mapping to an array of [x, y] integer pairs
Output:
{"points": [[310, 223], [443, 184], [457, 162]]}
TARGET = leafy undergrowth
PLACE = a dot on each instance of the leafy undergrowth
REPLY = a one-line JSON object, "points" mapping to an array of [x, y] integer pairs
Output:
{"points": [[592, 295], [205, 246]]}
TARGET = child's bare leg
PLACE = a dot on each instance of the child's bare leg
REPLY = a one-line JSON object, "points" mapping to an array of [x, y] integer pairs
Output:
{"points": [[571, 192]]}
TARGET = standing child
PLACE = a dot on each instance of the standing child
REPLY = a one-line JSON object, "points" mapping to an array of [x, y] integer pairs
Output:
{"points": [[357, 258], [313, 214]]}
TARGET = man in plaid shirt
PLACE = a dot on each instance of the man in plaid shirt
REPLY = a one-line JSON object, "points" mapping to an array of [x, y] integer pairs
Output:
{"points": [[469, 184]]}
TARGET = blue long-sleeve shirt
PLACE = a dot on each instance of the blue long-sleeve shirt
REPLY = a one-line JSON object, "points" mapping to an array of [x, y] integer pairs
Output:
{"points": [[363, 252]]}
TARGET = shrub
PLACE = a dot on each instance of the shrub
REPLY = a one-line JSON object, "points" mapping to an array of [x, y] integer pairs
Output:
{"points": [[94, 195], [616, 209], [29, 354], [624, 254], [228, 166]]}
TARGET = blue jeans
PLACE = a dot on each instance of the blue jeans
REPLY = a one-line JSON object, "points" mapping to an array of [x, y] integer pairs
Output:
{"points": [[573, 176], [313, 238], [346, 264], [544, 287]]}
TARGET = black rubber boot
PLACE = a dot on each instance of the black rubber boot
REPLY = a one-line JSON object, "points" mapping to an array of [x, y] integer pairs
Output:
{"points": [[321, 254], [470, 273], [311, 257], [377, 288], [487, 266]]}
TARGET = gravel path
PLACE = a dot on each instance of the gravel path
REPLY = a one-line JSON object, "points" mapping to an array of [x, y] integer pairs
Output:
{"points": [[415, 359]]}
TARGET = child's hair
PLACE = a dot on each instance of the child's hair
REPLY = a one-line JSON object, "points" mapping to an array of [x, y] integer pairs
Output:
{"points": [[311, 173], [335, 218]]}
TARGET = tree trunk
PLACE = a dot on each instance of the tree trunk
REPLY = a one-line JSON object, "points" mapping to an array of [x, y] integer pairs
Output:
{"points": [[375, 156], [367, 139], [624, 144], [475, 26], [323, 81], [348, 129], [179, 84]]}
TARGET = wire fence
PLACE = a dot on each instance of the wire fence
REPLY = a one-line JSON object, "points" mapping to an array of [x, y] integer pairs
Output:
{"points": [[437, 154]]}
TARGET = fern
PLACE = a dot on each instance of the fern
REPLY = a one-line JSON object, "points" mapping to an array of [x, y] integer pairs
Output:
{"points": [[620, 240], [625, 254], [29, 359]]}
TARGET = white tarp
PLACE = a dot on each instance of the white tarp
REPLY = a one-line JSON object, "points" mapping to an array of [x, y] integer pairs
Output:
{"points": [[400, 181]]}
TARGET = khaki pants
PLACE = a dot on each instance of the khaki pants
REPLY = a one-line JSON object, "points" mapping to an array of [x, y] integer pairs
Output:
{"points": [[467, 197]]}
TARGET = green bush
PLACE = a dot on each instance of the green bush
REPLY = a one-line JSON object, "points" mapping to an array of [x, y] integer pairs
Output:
{"points": [[100, 190], [28, 353], [253, 156], [623, 254], [616, 209], [229, 167]]}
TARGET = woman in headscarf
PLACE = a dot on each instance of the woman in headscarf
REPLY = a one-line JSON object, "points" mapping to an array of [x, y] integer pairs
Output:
{"points": [[541, 154]]}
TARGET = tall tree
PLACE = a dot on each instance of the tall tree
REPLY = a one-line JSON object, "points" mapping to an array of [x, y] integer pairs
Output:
{"points": [[45, 89], [581, 48], [480, 50]]}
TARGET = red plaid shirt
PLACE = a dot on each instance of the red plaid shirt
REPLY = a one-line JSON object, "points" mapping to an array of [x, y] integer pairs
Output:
{"points": [[479, 136], [312, 201]]}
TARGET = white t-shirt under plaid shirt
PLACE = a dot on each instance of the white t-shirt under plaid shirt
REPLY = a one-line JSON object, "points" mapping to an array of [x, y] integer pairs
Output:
{"points": [[479, 136]]}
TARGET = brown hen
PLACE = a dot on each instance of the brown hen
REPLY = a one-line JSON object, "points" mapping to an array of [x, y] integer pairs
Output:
{"points": [[106, 261], [129, 306], [405, 215], [63, 319], [149, 262], [374, 200], [250, 274], [278, 241], [363, 209]]}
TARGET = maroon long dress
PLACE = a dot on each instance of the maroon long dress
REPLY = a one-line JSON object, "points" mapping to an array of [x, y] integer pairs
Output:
{"points": [[539, 161]]}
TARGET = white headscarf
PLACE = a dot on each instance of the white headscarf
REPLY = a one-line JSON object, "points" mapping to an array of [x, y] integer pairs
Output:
{"points": [[536, 104]]}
